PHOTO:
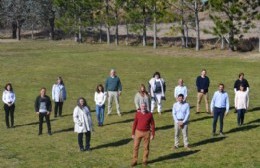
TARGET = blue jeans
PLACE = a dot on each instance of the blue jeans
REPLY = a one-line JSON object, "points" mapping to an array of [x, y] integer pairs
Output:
{"points": [[100, 113], [218, 112], [240, 116]]}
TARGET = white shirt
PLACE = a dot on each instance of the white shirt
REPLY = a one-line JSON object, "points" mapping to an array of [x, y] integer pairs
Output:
{"points": [[82, 120], [59, 93], [180, 90], [100, 98], [8, 97], [241, 100]]}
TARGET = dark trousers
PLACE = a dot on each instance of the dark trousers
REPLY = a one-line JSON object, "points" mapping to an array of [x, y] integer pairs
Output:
{"points": [[240, 116], [218, 113], [9, 110], [47, 118], [58, 108], [80, 140]]}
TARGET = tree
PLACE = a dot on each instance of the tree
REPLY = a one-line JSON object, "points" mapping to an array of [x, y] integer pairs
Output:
{"points": [[233, 18]]}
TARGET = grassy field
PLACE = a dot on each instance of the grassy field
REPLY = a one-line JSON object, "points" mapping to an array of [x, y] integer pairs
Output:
{"points": [[31, 65]]}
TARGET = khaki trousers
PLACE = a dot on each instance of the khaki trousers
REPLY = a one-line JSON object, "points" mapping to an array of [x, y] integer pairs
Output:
{"points": [[139, 135], [199, 98], [113, 95], [184, 134]]}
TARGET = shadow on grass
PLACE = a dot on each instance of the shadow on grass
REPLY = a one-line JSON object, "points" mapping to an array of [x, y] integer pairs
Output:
{"points": [[120, 122], [129, 112], [114, 144], [33, 123], [254, 121], [164, 127], [207, 141], [173, 156], [66, 115], [254, 109], [63, 130], [199, 119], [243, 128]]}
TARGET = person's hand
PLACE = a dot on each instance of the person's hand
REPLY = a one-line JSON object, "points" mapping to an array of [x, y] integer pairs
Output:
{"points": [[48, 113], [133, 136], [211, 113], [151, 137], [226, 113], [119, 93], [37, 113], [202, 90]]}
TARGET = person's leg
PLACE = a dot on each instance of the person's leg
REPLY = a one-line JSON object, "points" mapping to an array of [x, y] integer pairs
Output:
{"points": [[215, 119], [88, 137], [221, 119], [199, 97], [152, 105], [117, 103], [40, 123], [6, 108], [102, 111], [47, 118], [60, 108], [185, 135], [146, 146], [159, 102], [56, 108], [176, 135], [80, 141], [239, 116], [98, 114], [243, 111], [109, 100], [137, 141], [206, 102], [12, 108]]}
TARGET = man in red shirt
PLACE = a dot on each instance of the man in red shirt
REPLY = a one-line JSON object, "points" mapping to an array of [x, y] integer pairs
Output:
{"points": [[143, 128]]}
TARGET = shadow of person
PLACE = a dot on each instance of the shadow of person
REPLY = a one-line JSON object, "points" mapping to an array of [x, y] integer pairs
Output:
{"points": [[63, 130], [114, 144], [33, 123], [173, 156], [254, 121], [120, 122], [243, 128], [207, 141], [254, 109]]}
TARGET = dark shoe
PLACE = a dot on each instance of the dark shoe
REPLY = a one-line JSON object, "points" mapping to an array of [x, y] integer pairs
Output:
{"points": [[197, 112], [81, 149], [7, 127], [55, 116], [12, 126], [49, 133], [133, 164], [214, 134], [39, 133], [88, 149]]}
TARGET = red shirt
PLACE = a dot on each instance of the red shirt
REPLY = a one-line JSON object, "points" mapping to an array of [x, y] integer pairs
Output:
{"points": [[144, 122]]}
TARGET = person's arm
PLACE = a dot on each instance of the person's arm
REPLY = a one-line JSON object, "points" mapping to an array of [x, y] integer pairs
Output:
{"points": [[65, 93], [134, 125], [212, 104], [175, 93], [185, 93], [95, 98], [247, 101], [164, 86], [53, 92], [137, 101], [235, 86], [187, 114], [153, 128], [106, 84], [236, 100], [36, 105], [49, 106], [76, 117], [197, 83], [104, 99], [208, 83], [174, 113], [3, 98], [227, 104], [119, 85], [13, 99]]}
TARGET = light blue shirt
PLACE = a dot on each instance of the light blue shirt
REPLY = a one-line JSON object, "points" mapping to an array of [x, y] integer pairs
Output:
{"points": [[180, 90], [181, 111], [220, 100]]}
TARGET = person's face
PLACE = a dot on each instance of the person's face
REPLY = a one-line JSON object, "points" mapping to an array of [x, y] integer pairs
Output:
{"points": [[156, 76], [100, 88], [203, 73], [221, 88], [58, 81], [43, 92], [180, 99], [113, 73], [241, 88], [8, 87], [81, 102], [180, 82], [241, 77], [143, 107], [142, 88]]}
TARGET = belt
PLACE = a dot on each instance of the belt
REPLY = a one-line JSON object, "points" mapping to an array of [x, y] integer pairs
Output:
{"points": [[180, 119]]}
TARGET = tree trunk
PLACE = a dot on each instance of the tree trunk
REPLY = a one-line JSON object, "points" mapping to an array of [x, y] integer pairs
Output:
{"points": [[186, 36], [107, 22], [183, 42], [222, 43], [127, 35], [197, 25], [80, 35], [51, 22], [144, 27], [32, 33], [116, 33], [154, 28], [18, 30], [100, 32], [14, 29]]}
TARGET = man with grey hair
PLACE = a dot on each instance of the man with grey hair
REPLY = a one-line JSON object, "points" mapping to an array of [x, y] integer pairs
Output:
{"points": [[113, 89]]}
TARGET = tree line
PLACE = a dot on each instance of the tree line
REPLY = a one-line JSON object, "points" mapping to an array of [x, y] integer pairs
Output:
{"points": [[231, 18]]}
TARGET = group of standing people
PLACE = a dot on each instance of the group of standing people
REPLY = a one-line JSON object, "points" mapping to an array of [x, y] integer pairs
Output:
{"points": [[145, 103]]}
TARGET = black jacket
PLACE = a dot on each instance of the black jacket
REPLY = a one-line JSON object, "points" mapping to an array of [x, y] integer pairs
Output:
{"points": [[40, 99]]}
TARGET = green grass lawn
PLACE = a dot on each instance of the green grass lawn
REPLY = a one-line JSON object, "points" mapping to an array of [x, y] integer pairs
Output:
{"points": [[29, 65]]}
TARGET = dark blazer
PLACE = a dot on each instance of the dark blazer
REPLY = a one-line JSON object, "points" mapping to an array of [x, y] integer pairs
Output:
{"points": [[40, 99]]}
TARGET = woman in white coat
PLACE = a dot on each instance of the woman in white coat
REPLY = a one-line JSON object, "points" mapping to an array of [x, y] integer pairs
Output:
{"points": [[83, 123], [59, 95]]}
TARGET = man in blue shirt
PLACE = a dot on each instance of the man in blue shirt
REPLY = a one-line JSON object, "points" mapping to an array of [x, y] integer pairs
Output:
{"points": [[181, 113], [113, 89], [219, 105]]}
